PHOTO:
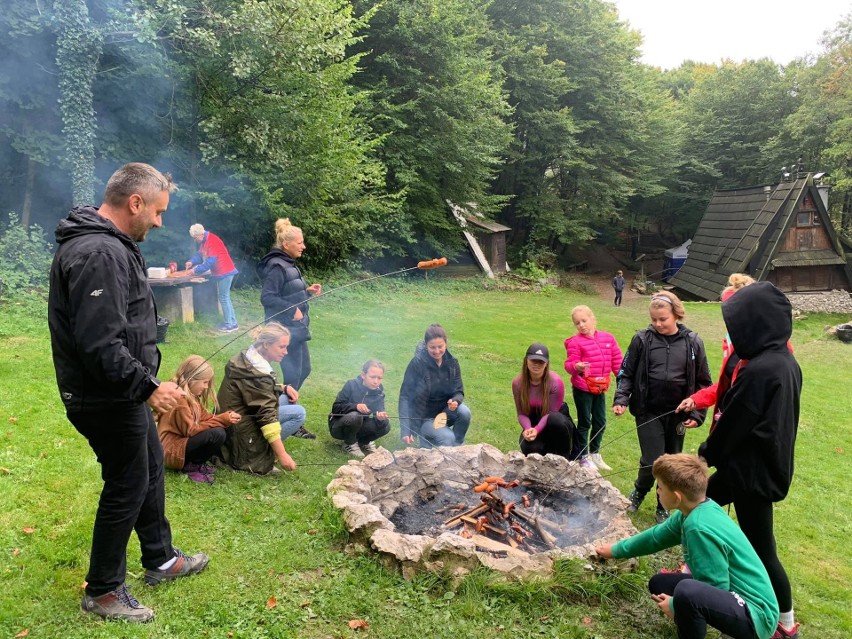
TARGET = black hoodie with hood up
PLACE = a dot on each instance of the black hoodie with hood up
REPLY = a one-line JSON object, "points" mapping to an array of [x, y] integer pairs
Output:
{"points": [[753, 443]]}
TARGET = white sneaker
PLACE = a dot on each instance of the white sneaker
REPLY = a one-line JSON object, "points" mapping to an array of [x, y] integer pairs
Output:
{"points": [[369, 447], [353, 449], [586, 462], [598, 461]]}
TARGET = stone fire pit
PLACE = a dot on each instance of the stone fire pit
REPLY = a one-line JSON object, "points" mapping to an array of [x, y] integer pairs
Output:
{"points": [[396, 504]]}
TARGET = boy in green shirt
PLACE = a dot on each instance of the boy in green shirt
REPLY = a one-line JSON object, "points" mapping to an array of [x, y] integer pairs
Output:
{"points": [[728, 587]]}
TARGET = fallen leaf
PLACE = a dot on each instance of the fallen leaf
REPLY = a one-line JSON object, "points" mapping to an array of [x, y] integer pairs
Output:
{"points": [[250, 497], [13, 420], [839, 451], [305, 604], [23, 633], [28, 530], [272, 602], [42, 455], [358, 624], [230, 634], [16, 552], [313, 531], [5, 470], [587, 620]]}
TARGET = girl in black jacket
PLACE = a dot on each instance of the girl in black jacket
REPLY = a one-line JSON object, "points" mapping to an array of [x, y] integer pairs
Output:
{"points": [[358, 415], [753, 442], [663, 363]]}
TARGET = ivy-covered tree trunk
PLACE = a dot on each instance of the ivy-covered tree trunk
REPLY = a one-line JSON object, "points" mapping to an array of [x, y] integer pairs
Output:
{"points": [[78, 49]]}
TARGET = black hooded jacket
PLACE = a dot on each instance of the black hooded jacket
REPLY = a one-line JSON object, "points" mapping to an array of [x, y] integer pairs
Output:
{"points": [[427, 387], [102, 316], [753, 443], [283, 286]]}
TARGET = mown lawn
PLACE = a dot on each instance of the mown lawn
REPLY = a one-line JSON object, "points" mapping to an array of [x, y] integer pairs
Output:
{"points": [[281, 566]]}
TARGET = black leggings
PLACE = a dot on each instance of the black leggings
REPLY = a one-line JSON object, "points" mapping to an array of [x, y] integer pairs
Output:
{"points": [[357, 428], [201, 447], [755, 517], [555, 437], [698, 605]]}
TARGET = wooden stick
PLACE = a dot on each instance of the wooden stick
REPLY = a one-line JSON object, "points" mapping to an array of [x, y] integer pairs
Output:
{"points": [[525, 514], [496, 546], [496, 531], [549, 539], [473, 512]]}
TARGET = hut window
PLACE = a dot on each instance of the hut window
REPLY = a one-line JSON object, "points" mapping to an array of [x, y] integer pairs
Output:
{"points": [[807, 218]]}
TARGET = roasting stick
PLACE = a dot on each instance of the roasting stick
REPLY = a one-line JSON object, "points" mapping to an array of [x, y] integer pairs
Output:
{"points": [[423, 265]]}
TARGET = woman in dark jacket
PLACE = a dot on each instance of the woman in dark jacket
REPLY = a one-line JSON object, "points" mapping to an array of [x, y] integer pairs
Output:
{"points": [[753, 442], [433, 388], [358, 414], [663, 363], [250, 388], [285, 298]]}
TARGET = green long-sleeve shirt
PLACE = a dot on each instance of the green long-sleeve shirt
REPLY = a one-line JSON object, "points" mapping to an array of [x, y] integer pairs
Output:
{"points": [[717, 553]]}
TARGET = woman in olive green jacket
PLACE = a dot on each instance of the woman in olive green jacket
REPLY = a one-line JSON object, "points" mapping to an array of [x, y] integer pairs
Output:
{"points": [[251, 389]]}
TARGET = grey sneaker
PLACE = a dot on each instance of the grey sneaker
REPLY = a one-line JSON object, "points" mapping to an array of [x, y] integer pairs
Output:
{"points": [[304, 433], [661, 515], [353, 449], [118, 604], [184, 566], [598, 461], [369, 447]]}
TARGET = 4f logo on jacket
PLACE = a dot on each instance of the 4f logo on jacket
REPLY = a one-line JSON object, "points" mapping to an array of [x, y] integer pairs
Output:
{"points": [[96, 292]]}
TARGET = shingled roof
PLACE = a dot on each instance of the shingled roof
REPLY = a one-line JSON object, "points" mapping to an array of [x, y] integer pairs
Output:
{"points": [[742, 231]]}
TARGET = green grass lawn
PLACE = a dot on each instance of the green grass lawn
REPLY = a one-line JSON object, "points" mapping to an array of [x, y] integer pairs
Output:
{"points": [[281, 564]]}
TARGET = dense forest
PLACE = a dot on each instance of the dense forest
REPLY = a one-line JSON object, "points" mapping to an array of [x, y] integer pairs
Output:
{"points": [[360, 120]]}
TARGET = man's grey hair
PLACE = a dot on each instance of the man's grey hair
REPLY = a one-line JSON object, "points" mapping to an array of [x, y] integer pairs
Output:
{"points": [[139, 178]]}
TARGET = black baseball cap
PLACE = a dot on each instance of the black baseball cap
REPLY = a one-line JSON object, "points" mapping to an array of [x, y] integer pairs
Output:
{"points": [[538, 351]]}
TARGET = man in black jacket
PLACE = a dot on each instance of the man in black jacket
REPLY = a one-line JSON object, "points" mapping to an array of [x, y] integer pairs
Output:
{"points": [[103, 328]]}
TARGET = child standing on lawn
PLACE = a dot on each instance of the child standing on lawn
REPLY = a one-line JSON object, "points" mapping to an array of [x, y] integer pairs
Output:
{"points": [[663, 364], [728, 587], [592, 356], [618, 286], [189, 433], [358, 415]]}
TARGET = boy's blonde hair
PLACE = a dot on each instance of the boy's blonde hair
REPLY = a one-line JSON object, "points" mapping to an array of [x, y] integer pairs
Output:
{"points": [[196, 368], [686, 474], [665, 299]]}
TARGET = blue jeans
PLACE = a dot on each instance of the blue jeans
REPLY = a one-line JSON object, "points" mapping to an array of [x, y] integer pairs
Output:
{"points": [[458, 421], [223, 286], [291, 416]]}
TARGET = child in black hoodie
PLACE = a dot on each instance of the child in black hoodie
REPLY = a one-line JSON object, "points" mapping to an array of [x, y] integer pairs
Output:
{"points": [[663, 361], [358, 415], [753, 442]]}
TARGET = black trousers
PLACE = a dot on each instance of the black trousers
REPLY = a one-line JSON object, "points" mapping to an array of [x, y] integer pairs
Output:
{"points": [[656, 437], [296, 365], [357, 427], [756, 520], [617, 297], [204, 445], [698, 605], [133, 497], [555, 438]]}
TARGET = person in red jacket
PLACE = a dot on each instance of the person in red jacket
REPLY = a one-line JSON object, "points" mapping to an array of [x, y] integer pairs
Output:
{"points": [[214, 257]]}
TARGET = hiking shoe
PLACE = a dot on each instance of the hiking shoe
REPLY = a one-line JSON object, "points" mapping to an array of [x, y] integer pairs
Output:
{"points": [[304, 433], [368, 448], [184, 566], [598, 461], [783, 633], [353, 449], [207, 469], [118, 604], [661, 515], [635, 501]]}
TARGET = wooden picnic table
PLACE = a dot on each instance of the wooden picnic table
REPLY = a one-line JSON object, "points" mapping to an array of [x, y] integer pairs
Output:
{"points": [[179, 298]]}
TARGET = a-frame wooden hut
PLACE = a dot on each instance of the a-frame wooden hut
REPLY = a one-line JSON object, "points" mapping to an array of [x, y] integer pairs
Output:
{"points": [[779, 233]]}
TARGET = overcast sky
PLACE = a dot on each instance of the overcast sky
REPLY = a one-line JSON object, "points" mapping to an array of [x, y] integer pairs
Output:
{"points": [[710, 31]]}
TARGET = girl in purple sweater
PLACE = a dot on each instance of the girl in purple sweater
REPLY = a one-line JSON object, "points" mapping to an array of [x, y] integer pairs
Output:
{"points": [[543, 415], [592, 356]]}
